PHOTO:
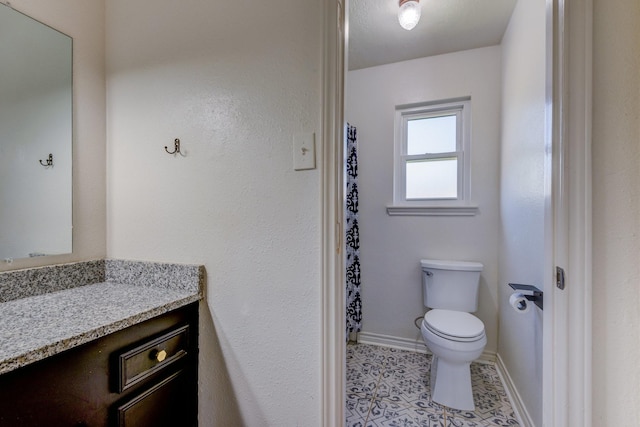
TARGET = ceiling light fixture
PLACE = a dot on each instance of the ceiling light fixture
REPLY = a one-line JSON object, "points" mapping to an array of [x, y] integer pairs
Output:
{"points": [[409, 13]]}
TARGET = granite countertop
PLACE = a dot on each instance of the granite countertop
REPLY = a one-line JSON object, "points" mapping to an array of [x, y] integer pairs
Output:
{"points": [[37, 325]]}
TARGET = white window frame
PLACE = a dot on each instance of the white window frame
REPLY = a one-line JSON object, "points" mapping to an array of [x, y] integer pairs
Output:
{"points": [[460, 205]]}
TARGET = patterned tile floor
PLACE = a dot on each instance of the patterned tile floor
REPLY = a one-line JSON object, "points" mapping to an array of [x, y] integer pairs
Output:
{"points": [[390, 387]]}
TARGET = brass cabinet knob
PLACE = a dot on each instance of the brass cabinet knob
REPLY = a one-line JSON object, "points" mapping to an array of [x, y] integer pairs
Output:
{"points": [[158, 355]]}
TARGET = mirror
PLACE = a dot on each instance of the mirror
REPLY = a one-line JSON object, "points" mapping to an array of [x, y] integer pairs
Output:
{"points": [[35, 138]]}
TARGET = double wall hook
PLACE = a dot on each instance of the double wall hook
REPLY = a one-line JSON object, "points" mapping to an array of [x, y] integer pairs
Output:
{"points": [[48, 161], [176, 147]]}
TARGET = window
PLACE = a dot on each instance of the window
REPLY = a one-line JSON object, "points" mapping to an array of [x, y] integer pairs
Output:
{"points": [[431, 171]]}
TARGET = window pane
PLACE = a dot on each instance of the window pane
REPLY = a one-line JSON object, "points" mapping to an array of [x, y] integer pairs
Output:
{"points": [[431, 135], [432, 179]]}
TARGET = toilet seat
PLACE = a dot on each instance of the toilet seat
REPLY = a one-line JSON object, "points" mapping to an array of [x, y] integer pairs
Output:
{"points": [[454, 325]]}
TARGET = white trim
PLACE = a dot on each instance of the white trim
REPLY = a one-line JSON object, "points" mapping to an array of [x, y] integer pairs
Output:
{"points": [[333, 326], [567, 394], [432, 210], [409, 344], [553, 349], [392, 342], [461, 109], [517, 404]]}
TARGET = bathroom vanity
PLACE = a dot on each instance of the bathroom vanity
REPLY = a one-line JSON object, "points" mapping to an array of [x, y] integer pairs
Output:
{"points": [[105, 343]]}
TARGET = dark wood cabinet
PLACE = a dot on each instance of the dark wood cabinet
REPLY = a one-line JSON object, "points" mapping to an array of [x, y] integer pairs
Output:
{"points": [[145, 375]]}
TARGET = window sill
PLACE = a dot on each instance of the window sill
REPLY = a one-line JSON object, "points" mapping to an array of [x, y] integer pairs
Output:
{"points": [[432, 210]]}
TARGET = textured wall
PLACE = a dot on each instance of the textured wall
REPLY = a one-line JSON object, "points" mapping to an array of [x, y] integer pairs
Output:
{"points": [[522, 197], [616, 213], [84, 22], [392, 246], [234, 81]]}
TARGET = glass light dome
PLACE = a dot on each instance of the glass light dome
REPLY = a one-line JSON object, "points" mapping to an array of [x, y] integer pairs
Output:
{"points": [[409, 13]]}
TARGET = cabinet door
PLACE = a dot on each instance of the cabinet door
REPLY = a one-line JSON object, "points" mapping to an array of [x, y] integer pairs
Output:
{"points": [[165, 404], [68, 389]]}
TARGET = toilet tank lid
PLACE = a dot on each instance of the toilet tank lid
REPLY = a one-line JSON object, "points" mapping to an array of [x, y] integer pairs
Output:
{"points": [[439, 264]]}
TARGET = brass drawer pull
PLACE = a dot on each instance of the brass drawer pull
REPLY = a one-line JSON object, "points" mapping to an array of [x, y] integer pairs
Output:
{"points": [[158, 355]]}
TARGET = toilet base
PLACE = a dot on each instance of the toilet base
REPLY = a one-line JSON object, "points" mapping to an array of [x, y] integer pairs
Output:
{"points": [[451, 384]]}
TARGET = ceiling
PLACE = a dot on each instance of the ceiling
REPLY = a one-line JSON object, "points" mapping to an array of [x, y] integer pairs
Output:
{"points": [[376, 37]]}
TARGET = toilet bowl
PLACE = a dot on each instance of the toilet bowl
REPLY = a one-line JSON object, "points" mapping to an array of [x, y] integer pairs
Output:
{"points": [[456, 339]]}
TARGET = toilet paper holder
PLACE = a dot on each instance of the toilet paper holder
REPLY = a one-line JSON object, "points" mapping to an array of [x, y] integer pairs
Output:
{"points": [[530, 292]]}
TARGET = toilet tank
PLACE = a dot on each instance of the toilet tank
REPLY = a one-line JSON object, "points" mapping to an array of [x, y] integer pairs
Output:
{"points": [[451, 285]]}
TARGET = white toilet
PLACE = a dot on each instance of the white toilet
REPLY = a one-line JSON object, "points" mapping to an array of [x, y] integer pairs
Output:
{"points": [[454, 335]]}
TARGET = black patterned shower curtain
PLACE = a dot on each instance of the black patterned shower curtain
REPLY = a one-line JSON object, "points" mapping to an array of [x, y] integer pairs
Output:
{"points": [[352, 238]]}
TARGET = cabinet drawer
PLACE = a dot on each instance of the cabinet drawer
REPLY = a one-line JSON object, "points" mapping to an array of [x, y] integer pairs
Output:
{"points": [[163, 405], [151, 356]]}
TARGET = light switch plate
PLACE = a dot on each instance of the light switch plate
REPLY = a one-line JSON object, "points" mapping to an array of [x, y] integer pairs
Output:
{"points": [[304, 151]]}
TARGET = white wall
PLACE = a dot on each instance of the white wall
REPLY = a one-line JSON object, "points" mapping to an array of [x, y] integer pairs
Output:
{"points": [[234, 81], [392, 246], [522, 197], [616, 213], [84, 22]]}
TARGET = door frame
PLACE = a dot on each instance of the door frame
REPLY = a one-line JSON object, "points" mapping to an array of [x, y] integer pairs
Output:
{"points": [[333, 322], [567, 321], [567, 364]]}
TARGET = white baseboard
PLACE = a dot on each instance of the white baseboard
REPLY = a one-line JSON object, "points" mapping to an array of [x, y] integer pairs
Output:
{"points": [[391, 341], [514, 397], [410, 345]]}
